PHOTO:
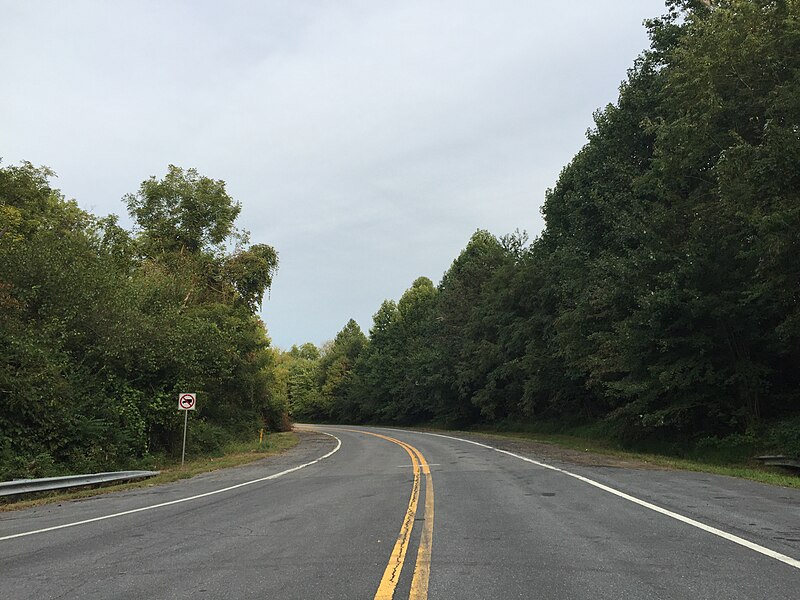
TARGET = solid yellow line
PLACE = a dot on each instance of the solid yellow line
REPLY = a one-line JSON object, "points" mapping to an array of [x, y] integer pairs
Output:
{"points": [[419, 582], [391, 574], [422, 568]]}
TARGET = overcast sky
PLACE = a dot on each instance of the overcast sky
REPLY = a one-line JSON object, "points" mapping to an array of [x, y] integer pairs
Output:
{"points": [[366, 141]]}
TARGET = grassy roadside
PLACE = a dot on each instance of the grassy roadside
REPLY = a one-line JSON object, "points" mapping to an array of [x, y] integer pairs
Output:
{"points": [[234, 454], [745, 470]]}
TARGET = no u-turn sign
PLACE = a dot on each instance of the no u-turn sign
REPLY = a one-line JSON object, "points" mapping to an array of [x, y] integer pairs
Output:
{"points": [[187, 401]]}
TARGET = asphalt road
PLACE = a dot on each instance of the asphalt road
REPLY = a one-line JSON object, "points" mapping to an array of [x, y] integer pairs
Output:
{"points": [[412, 515]]}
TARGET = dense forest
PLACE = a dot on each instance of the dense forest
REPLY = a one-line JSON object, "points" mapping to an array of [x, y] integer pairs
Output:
{"points": [[101, 328], [660, 304], [662, 300]]}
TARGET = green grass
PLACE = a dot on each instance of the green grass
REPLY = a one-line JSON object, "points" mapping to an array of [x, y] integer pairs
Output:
{"points": [[232, 455], [716, 464]]}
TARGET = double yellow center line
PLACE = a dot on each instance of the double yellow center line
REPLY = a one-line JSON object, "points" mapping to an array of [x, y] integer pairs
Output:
{"points": [[422, 568]]}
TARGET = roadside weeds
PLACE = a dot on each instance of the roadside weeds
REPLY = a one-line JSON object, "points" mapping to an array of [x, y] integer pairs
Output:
{"points": [[234, 454], [602, 453]]}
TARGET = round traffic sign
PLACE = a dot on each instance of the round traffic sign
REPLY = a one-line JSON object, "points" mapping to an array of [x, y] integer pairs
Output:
{"points": [[186, 401]]}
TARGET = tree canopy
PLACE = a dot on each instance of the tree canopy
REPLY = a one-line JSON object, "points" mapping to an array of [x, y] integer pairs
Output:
{"points": [[662, 298], [660, 302], [100, 328]]}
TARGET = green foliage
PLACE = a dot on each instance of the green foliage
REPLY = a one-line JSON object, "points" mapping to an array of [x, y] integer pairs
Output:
{"points": [[334, 372], [660, 304], [183, 211], [782, 436], [100, 329], [251, 273], [661, 300]]}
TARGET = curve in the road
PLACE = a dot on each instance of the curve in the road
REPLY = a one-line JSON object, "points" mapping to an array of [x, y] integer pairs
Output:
{"points": [[391, 576], [678, 517], [179, 500]]}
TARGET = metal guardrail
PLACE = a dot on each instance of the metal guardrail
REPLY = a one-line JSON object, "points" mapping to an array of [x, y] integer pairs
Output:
{"points": [[780, 460], [47, 484]]}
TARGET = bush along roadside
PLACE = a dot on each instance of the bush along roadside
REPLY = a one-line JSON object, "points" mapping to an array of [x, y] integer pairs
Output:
{"points": [[101, 328], [231, 454], [733, 456]]}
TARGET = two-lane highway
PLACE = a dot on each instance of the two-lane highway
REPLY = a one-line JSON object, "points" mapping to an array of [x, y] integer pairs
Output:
{"points": [[351, 513]]}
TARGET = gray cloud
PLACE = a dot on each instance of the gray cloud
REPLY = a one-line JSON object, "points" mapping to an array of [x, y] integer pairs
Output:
{"points": [[365, 140]]}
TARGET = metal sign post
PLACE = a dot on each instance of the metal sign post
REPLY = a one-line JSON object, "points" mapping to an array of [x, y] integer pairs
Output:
{"points": [[185, 426], [186, 402]]}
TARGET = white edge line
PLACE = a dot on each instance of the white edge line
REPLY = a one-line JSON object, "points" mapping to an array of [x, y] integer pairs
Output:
{"points": [[180, 500], [792, 562]]}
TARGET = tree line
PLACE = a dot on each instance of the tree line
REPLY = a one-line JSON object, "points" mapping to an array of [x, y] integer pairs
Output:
{"points": [[101, 328], [661, 300]]}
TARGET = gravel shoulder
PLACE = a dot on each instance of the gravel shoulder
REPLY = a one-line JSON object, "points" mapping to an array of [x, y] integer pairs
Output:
{"points": [[553, 452]]}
